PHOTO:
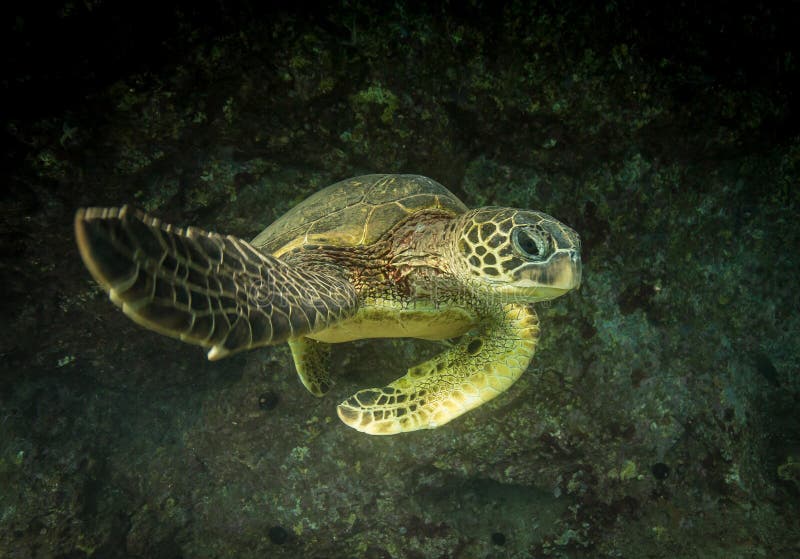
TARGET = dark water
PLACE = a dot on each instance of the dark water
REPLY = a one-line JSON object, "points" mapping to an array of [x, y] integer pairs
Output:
{"points": [[659, 416]]}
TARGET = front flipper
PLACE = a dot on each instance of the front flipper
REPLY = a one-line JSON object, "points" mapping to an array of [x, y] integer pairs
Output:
{"points": [[465, 376], [204, 288]]}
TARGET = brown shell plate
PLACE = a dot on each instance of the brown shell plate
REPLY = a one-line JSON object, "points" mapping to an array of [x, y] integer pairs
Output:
{"points": [[355, 212]]}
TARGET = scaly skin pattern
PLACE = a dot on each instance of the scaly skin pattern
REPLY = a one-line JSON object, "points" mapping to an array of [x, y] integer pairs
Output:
{"points": [[475, 370], [419, 265], [203, 288], [311, 360], [411, 277]]}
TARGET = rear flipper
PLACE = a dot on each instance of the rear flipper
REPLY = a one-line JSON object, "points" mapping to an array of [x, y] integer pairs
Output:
{"points": [[204, 288], [312, 361], [465, 376]]}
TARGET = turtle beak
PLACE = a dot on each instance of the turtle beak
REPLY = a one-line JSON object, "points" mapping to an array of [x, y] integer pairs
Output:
{"points": [[577, 270], [555, 276]]}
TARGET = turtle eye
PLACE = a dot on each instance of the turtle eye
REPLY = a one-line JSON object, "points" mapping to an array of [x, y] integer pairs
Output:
{"points": [[532, 244]]}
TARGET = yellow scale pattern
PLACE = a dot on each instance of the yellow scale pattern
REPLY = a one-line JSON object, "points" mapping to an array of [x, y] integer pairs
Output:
{"points": [[465, 376], [204, 288]]}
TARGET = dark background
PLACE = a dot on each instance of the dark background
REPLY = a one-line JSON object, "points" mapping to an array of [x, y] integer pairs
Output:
{"points": [[658, 418]]}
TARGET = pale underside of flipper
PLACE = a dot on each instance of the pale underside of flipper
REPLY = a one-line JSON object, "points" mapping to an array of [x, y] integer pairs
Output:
{"points": [[470, 373], [204, 288]]}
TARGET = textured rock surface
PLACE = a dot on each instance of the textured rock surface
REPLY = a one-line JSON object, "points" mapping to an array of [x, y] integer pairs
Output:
{"points": [[658, 418]]}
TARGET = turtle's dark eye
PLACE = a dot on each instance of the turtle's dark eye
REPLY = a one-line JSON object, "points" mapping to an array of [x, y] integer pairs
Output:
{"points": [[531, 244]]}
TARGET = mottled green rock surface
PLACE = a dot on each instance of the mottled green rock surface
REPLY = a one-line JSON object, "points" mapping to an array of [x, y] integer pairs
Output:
{"points": [[659, 417]]}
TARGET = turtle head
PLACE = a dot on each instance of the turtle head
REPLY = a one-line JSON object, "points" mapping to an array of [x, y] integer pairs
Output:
{"points": [[519, 255]]}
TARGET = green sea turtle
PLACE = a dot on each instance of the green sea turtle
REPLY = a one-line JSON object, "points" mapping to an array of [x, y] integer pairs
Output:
{"points": [[376, 256]]}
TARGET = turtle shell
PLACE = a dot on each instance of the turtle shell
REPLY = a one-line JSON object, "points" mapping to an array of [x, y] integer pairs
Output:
{"points": [[355, 212]]}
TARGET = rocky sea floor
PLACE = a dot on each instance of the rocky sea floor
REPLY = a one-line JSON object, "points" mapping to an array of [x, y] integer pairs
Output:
{"points": [[659, 416]]}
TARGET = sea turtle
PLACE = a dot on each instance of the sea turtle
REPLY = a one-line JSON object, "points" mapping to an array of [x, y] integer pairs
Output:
{"points": [[376, 256]]}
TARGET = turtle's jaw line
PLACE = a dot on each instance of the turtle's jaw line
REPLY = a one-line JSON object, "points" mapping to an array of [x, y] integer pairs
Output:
{"points": [[528, 292], [538, 281], [559, 273]]}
